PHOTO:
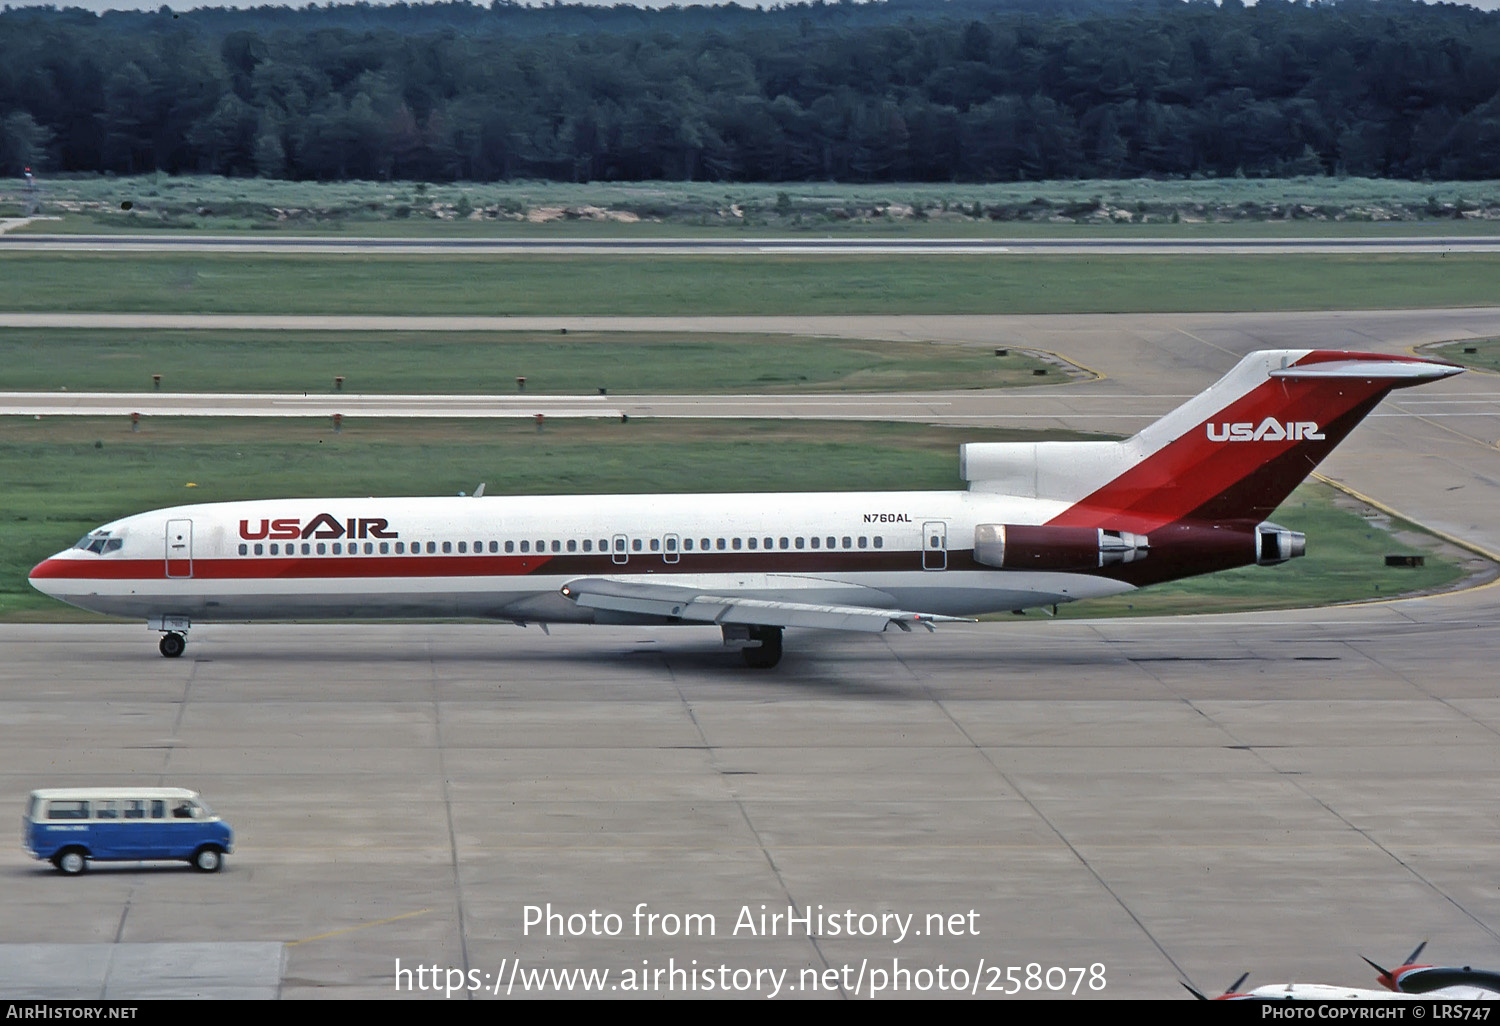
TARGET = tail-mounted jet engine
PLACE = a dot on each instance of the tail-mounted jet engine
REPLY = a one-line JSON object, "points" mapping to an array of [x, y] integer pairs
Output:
{"points": [[1026, 547], [1275, 544]]}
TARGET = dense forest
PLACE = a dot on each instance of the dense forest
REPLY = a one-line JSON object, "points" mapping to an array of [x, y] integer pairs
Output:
{"points": [[904, 90]]}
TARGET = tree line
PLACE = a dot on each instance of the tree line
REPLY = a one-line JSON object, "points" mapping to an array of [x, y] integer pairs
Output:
{"points": [[904, 90]]}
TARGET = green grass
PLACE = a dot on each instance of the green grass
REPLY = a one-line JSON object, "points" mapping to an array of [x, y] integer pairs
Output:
{"points": [[64, 476], [1486, 355], [698, 285], [489, 362]]}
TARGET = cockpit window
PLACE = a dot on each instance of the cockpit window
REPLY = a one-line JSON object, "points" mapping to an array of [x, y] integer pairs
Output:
{"points": [[99, 542]]}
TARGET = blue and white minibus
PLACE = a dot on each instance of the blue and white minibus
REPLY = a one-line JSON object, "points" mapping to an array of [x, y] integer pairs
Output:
{"points": [[71, 827]]}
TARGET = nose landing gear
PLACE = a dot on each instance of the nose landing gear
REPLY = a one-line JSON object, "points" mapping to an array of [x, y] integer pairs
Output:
{"points": [[173, 633], [172, 644]]}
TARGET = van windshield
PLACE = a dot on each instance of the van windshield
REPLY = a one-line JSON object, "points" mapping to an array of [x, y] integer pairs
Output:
{"points": [[191, 808]]}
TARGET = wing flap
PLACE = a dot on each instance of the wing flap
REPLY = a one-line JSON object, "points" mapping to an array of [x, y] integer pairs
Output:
{"points": [[677, 602]]}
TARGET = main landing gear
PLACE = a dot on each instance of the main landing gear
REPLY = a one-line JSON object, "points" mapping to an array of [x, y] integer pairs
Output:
{"points": [[766, 654], [172, 644]]}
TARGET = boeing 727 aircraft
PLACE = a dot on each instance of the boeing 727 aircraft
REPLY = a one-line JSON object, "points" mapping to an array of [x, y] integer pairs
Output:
{"points": [[1041, 523]]}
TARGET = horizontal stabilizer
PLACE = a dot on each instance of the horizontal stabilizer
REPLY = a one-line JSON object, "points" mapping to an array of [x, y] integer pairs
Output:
{"points": [[685, 603], [1398, 371]]}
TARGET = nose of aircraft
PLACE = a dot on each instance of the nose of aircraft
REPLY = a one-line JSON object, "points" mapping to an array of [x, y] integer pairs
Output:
{"points": [[44, 577]]}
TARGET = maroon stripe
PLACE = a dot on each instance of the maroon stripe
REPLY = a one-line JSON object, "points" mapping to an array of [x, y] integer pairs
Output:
{"points": [[578, 564]]}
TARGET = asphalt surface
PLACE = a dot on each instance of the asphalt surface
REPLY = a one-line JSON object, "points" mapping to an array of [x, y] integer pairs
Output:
{"points": [[1172, 799]]}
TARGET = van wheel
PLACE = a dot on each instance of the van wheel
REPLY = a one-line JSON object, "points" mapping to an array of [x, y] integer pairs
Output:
{"points": [[71, 862], [208, 859]]}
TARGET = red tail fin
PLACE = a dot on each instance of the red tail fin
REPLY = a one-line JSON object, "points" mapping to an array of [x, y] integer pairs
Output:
{"points": [[1236, 451]]}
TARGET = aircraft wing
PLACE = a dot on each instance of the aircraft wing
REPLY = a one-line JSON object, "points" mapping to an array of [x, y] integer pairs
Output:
{"points": [[703, 606]]}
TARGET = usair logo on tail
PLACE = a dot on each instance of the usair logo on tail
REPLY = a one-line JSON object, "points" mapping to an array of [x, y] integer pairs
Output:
{"points": [[1270, 430]]}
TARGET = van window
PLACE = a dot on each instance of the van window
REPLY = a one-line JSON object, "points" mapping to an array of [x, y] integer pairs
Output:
{"points": [[68, 810], [135, 808]]}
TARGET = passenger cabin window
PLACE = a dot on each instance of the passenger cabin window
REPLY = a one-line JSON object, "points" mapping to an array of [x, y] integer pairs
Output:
{"points": [[244, 549], [462, 547], [879, 541], [815, 541]]}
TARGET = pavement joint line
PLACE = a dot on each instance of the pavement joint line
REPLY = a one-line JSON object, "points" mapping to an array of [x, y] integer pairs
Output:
{"points": [[1030, 803], [733, 795], [358, 926], [1211, 345]]}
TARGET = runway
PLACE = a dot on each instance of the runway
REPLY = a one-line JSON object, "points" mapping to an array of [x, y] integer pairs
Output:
{"points": [[752, 246], [1172, 799]]}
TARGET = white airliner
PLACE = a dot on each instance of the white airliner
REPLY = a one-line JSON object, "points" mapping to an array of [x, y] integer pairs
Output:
{"points": [[1040, 524]]}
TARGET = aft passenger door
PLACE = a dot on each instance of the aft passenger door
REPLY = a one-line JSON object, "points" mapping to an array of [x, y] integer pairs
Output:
{"points": [[935, 545], [179, 548]]}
